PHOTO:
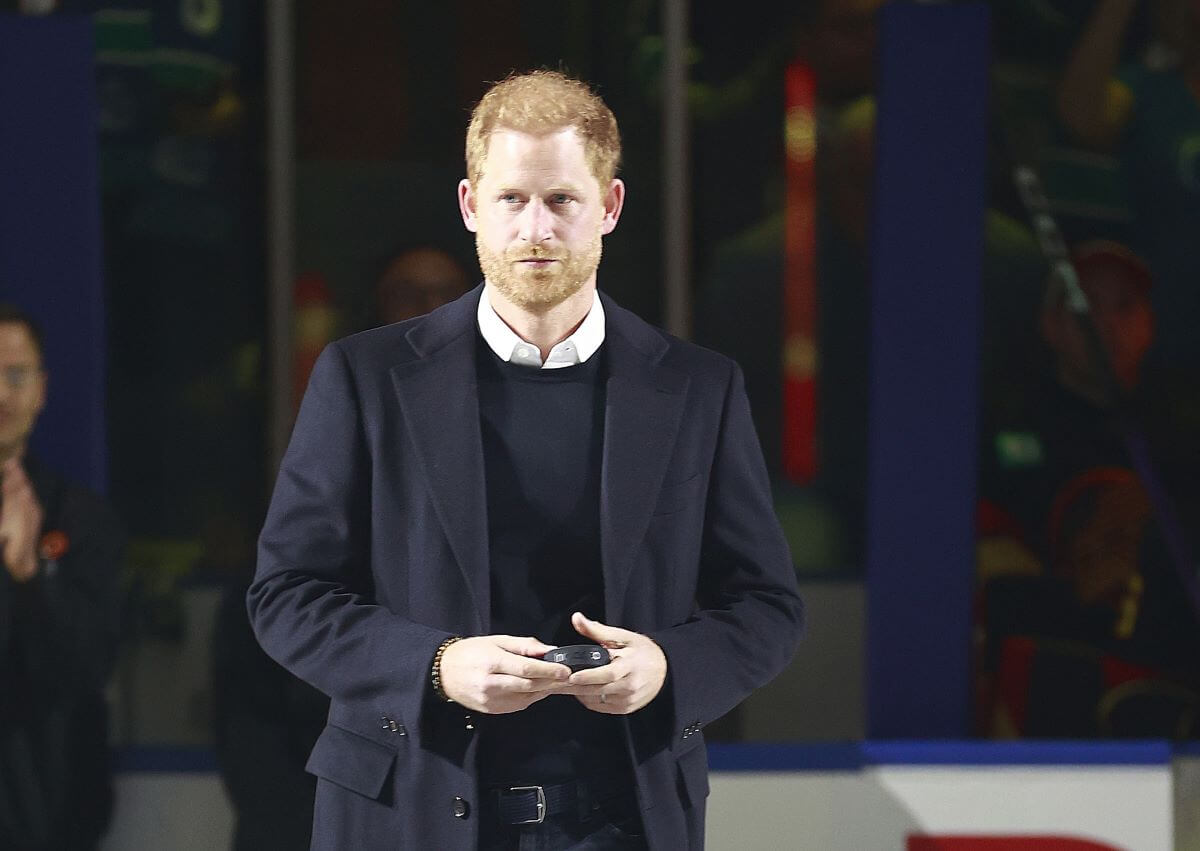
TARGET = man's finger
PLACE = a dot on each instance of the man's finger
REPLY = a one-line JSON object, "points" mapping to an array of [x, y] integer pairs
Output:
{"points": [[609, 636], [13, 472], [603, 675], [608, 707], [18, 490], [511, 684], [530, 669], [582, 690], [523, 645]]}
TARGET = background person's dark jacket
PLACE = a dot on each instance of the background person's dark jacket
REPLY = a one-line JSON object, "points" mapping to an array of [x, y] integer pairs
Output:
{"points": [[58, 644]]}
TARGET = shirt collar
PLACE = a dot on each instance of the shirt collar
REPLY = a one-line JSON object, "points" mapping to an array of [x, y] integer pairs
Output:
{"points": [[575, 349]]}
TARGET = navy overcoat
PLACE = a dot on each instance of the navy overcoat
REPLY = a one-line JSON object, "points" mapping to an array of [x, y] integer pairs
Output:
{"points": [[375, 549]]}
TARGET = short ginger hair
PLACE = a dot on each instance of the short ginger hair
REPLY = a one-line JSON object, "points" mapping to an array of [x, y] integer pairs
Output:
{"points": [[543, 102]]}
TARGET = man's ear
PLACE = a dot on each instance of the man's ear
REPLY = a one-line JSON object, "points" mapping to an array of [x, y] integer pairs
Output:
{"points": [[614, 201], [466, 205]]}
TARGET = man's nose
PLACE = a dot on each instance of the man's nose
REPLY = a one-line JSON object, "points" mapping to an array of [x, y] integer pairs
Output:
{"points": [[536, 222]]}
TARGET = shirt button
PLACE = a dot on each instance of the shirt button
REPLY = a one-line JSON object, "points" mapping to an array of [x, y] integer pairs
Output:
{"points": [[461, 808]]}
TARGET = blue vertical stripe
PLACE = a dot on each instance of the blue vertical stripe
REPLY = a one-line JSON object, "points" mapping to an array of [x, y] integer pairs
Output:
{"points": [[50, 240], [927, 253]]}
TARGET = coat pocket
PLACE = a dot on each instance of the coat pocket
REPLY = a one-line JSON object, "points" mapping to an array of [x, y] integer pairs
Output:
{"points": [[351, 761]]}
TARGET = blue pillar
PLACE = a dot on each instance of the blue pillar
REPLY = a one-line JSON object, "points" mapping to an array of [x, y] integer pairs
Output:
{"points": [[50, 249], [927, 254]]}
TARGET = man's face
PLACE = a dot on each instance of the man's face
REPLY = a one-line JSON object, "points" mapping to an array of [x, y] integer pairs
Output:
{"points": [[538, 215], [1124, 320], [416, 282], [22, 387], [842, 44]]}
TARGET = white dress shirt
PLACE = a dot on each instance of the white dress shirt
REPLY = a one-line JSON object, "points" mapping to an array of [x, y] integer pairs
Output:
{"points": [[576, 349]]}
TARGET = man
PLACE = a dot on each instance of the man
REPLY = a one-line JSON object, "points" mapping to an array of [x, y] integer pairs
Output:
{"points": [[61, 550], [417, 281], [1070, 548], [1146, 113], [1117, 284], [526, 467]]}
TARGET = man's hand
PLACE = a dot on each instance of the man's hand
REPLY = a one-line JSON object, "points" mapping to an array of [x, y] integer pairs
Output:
{"points": [[632, 679], [495, 674], [20, 522]]}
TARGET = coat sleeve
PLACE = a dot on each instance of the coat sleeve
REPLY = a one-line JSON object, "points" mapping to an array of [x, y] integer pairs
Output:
{"points": [[749, 614], [311, 602]]}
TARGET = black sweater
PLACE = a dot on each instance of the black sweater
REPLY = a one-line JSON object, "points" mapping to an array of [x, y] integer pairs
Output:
{"points": [[543, 433]]}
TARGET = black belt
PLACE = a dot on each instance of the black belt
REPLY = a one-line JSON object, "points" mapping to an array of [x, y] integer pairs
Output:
{"points": [[534, 804]]}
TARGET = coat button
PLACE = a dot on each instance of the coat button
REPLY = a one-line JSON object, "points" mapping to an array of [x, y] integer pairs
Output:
{"points": [[390, 725], [461, 808]]}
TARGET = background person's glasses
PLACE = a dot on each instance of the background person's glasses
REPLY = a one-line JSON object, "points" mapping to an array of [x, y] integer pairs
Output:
{"points": [[18, 377]]}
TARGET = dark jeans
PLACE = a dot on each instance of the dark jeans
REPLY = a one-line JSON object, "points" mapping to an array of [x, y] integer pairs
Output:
{"points": [[613, 826]]}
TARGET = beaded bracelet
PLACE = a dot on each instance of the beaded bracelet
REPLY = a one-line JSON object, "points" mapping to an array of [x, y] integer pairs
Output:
{"points": [[435, 674]]}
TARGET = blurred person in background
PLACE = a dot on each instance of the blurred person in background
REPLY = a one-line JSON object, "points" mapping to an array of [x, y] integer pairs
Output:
{"points": [[61, 548], [838, 38], [1147, 113], [1117, 284], [415, 282], [1070, 549], [267, 720]]}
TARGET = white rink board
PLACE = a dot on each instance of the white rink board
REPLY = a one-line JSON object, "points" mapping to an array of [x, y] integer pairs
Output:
{"points": [[1128, 807], [869, 809], [170, 811]]}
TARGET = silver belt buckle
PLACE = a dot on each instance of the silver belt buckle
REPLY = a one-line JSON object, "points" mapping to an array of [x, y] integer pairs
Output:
{"points": [[541, 803]]}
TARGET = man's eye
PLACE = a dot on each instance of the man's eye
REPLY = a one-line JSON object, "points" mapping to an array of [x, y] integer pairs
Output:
{"points": [[18, 376], [560, 199], [509, 198]]}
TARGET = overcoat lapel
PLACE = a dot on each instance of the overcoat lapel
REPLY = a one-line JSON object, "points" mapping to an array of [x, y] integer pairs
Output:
{"points": [[440, 405], [643, 410]]}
